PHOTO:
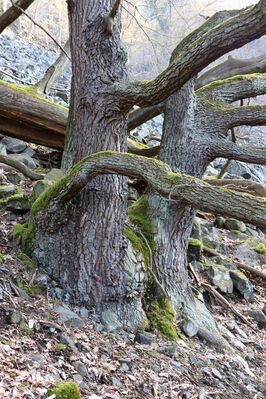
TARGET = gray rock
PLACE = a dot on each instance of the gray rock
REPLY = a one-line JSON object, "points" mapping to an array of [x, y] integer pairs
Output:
{"points": [[14, 177], [77, 378], [216, 374], [110, 321], [196, 230], [168, 350], [242, 284], [220, 277], [189, 328], [197, 266], [194, 250], [39, 187], [66, 340], [15, 317], [2, 149], [257, 315], [219, 222], [14, 146], [18, 205], [84, 313], [233, 224], [175, 364], [7, 190], [264, 309], [54, 175], [42, 280], [36, 357], [24, 158], [81, 369], [116, 381], [68, 317], [262, 388], [143, 338]]}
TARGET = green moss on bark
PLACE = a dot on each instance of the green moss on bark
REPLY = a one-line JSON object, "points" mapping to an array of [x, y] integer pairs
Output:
{"points": [[138, 214]]}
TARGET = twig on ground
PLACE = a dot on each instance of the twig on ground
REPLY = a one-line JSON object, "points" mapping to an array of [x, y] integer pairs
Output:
{"points": [[21, 167]]}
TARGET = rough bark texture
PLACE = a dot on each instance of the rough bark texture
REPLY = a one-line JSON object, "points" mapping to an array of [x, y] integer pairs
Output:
{"points": [[87, 253]]}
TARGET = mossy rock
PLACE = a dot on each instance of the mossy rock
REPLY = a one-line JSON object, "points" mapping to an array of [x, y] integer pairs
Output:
{"points": [[161, 315], [24, 234], [2, 259], [67, 390]]}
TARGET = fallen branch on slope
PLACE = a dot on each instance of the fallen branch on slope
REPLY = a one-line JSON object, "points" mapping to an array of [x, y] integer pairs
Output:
{"points": [[241, 265]]}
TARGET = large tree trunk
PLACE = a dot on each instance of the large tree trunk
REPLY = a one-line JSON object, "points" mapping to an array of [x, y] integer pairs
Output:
{"points": [[87, 253], [185, 153]]}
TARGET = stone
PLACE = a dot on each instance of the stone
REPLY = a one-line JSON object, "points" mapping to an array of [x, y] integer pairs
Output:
{"points": [[143, 338], [36, 357], [66, 340], [189, 328], [220, 277], [7, 190], [18, 205], [54, 175], [216, 374], [84, 313], [233, 224], [81, 369], [196, 230], [14, 146], [24, 158], [14, 177], [197, 266], [257, 315], [219, 222], [15, 317], [39, 187], [194, 250], [242, 284], [168, 350], [2, 149], [116, 381], [110, 321], [42, 280], [68, 317]]}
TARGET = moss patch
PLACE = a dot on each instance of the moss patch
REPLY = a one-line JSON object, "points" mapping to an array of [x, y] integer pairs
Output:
{"points": [[260, 249], [137, 244], [195, 243], [2, 259], [138, 214], [161, 316], [25, 233], [67, 390]]}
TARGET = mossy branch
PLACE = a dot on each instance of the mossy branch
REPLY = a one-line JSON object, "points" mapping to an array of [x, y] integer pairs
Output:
{"points": [[192, 191]]}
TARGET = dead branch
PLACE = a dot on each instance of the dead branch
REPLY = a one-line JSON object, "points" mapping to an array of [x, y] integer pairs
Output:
{"points": [[13, 12]]}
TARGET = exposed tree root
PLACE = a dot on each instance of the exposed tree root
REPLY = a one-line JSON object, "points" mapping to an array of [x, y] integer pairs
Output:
{"points": [[21, 167]]}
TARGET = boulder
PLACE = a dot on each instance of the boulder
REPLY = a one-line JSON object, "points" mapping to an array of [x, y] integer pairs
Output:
{"points": [[242, 284], [68, 317], [14, 146], [233, 224], [220, 277], [110, 322]]}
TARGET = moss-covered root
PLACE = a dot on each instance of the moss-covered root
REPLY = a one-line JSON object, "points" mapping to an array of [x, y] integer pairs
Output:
{"points": [[67, 390], [161, 316]]}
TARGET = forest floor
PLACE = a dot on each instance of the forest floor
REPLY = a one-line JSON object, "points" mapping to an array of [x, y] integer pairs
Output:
{"points": [[33, 358]]}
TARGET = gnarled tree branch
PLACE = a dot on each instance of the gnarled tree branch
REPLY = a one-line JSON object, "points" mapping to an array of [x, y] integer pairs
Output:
{"points": [[174, 186], [229, 150]]}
